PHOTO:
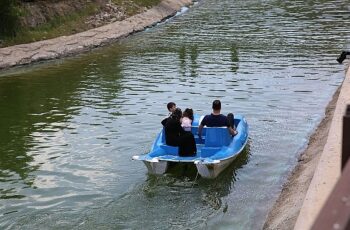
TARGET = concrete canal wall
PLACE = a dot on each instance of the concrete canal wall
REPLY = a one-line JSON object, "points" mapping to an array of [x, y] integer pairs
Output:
{"points": [[327, 171], [82, 42]]}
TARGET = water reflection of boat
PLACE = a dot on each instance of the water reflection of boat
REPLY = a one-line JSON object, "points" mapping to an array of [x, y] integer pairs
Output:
{"points": [[215, 151]]}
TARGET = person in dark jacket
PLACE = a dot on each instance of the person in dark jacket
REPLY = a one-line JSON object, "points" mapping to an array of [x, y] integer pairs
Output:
{"points": [[171, 106], [173, 129], [175, 135]]}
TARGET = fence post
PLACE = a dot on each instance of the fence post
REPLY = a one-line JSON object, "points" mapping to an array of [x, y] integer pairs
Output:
{"points": [[346, 137]]}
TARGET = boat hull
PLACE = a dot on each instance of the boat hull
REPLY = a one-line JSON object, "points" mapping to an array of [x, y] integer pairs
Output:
{"points": [[215, 151], [211, 171], [156, 168]]}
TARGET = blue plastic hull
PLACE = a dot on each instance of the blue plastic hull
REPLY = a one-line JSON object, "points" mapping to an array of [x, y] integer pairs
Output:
{"points": [[215, 151]]}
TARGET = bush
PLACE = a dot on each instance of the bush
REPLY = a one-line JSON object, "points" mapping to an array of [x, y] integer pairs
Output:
{"points": [[8, 18]]}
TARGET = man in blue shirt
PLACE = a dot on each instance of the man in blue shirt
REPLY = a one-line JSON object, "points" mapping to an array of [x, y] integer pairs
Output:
{"points": [[216, 119]]}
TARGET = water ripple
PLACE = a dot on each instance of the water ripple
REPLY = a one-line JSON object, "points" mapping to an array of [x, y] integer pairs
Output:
{"points": [[69, 128]]}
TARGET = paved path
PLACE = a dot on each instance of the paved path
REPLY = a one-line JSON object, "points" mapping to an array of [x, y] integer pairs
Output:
{"points": [[82, 42], [328, 170]]}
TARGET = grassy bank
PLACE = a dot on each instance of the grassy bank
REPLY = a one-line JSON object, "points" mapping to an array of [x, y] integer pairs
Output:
{"points": [[55, 27], [15, 31]]}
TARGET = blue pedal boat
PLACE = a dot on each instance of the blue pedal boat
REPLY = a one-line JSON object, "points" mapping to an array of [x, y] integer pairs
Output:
{"points": [[215, 151]]}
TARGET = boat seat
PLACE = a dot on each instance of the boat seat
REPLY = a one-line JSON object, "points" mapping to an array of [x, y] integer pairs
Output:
{"points": [[194, 130], [217, 137], [170, 150]]}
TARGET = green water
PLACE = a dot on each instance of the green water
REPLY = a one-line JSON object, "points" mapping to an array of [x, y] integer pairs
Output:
{"points": [[70, 127]]}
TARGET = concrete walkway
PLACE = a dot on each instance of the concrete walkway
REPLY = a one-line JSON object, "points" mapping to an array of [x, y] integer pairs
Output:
{"points": [[82, 42], [328, 170]]}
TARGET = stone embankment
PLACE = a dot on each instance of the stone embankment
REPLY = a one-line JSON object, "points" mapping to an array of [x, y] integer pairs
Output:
{"points": [[84, 41]]}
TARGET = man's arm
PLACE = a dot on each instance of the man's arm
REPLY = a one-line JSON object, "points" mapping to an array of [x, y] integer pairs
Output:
{"points": [[200, 127], [231, 130]]}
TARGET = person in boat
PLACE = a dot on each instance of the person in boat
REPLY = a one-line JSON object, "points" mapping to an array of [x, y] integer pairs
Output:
{"points": [[171, 106], [175, 135], [216, 119], [187, 119]]}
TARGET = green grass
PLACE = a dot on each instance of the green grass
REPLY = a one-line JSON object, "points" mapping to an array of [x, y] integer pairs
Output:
{"points": [[71, 24], [133, 7], [56, 27]]}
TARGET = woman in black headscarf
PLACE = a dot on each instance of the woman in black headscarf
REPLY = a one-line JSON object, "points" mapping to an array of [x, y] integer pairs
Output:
{"points": [[173, 129], [175, 135]]}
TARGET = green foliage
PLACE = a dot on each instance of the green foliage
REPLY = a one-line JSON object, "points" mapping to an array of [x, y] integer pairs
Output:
{"points": [[11, 32], [146, 3], [56, 27], [8, 18], [132, 7]]}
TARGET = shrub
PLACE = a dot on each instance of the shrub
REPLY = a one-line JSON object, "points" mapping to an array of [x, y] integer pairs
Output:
{"points": [[8, 18]]}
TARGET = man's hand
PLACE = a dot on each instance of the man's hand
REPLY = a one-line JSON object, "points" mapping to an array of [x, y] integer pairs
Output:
{"points": [[232, 131]]}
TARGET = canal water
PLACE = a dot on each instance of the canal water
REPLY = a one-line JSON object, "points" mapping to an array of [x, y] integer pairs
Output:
{"points": [[69, 128]]}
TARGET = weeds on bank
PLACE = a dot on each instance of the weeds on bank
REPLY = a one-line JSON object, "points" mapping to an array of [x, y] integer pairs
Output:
{"points": [[133, 7], [57, 26], [67, 25]]}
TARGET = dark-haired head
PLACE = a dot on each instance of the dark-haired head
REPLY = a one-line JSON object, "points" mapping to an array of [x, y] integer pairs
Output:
{"points": [[188, 113], [216, 105], [177, 114], [171, 106]]}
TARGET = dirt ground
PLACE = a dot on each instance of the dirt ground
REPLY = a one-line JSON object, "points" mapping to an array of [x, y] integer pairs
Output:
{"points": [[285, 211]]}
